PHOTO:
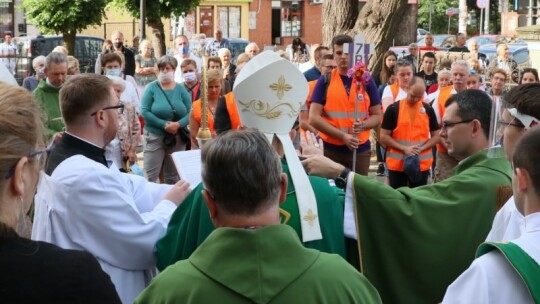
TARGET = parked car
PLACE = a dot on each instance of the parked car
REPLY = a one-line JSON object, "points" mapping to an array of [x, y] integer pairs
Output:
{"points": [[490, 39], [518, 52], [87, 48], [237, 46]]}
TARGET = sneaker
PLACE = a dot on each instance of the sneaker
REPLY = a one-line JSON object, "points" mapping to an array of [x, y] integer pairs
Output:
{"points": [[380, 170]]}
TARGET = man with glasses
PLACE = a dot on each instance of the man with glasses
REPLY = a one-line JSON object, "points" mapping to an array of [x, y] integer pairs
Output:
{"points": [[327, 65], [84, 204], [333, 114], [498, 80], [430, 231], [409, 130]]}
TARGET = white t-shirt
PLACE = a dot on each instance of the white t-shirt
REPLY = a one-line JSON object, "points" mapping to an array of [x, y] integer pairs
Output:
{"points": [[9, 49], [387, 93]]}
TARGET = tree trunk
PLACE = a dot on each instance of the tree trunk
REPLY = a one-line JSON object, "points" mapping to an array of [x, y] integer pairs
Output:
{"points": [[158, 36], [378, 21], [69, 41]]}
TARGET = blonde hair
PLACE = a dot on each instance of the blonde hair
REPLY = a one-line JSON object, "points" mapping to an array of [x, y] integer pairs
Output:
{"points": [[60, 49], [144, 44], [242, 58], [213, 75], [73, 65], [21, 125]]}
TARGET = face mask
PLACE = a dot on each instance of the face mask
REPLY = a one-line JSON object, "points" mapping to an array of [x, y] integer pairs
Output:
{"points": [[41, 73], [51, 85], [189, 76], [118, 44], [185, 49], [113, 72], [166, 77]]}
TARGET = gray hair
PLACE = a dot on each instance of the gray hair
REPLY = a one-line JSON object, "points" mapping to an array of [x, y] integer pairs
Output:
{"points": [[37, 60], [445, 71], [413, 45], [167, 60], [402, 62], [462, 63], [236, 189], [223, 51], [56, 58], [116, 80]]}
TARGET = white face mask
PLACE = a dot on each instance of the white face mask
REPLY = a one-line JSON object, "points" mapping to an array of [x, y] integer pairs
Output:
{"points": [[113, 72], [166, 76], [190, 76], [52, 85]]}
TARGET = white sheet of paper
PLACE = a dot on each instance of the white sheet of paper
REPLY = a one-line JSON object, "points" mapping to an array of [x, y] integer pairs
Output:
{"points": [[189, 167], [349, 220]]}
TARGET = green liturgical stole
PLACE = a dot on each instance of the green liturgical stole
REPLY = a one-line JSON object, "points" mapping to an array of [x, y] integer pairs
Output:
{"points": [[527, 268]]}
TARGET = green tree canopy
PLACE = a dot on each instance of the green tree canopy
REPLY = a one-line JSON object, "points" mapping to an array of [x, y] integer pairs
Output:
{"points": [[155, 10], [64, 16]]}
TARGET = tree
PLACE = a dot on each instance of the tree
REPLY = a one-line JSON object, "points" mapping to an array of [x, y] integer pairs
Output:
{"points": [[155, 10], [379, 22], [439, 19], [64, 16]]}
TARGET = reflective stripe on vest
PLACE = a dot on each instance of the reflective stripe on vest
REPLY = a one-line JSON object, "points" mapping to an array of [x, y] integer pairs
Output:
{"points": [[233, 110], [410, 133], [444, 94], [339, 109]]}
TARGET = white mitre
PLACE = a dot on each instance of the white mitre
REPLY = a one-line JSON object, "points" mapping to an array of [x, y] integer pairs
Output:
{"points": [[269, 92]]}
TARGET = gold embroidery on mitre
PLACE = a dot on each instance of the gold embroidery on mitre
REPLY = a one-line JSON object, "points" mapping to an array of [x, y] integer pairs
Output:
{"points": [[310, 217], [281, 87], [263, 109]]}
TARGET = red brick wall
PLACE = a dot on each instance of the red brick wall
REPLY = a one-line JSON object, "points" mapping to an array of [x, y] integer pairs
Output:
{"points": [[311, 30]]}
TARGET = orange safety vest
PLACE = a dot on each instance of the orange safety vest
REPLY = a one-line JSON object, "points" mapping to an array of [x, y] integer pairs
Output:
{"points": [[395, 89], [410, 133], [444, 94], [311, 85], [339, 109], [230, 102], [197, 113]]}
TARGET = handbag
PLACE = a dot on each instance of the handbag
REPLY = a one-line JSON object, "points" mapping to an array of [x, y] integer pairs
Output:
{"points": [[169, 140]]}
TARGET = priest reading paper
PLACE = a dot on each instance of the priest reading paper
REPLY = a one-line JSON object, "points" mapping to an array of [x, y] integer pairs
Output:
{"points": [[83, 203]]}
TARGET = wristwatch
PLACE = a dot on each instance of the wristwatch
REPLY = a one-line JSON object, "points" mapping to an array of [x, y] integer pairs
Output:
{"points": [[341, 180]]}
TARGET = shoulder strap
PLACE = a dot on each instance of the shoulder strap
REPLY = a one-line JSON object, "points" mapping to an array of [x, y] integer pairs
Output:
{"points": [[526, 267], [170, 104]]}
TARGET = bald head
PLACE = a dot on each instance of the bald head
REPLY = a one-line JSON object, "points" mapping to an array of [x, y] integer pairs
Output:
{"points": [[417, 89]]}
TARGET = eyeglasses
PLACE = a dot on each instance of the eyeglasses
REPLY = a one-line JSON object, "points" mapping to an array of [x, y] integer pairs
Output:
{"points": [[330, 66], [120, 108], [40, 155], [448, 125], [503, 124]]}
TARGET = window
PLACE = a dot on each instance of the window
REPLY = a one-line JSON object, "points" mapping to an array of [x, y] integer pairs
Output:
{"points": [[6, 17], [229, 21], [291, 19]]}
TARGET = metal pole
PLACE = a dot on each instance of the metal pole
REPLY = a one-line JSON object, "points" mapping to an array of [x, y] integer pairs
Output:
{"points": [[430, 12], [449, 24], [486, 18], [481, 21], [143, 17]]}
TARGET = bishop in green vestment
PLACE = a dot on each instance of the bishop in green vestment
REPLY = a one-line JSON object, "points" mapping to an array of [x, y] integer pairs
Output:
{"points": [[250, 257], [413, 243], [190, 224]]}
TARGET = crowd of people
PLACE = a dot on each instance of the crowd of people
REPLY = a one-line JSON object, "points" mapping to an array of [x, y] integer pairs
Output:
{"points": [[286, 170]]}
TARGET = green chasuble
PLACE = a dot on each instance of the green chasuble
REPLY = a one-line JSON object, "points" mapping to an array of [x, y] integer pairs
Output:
{"points": [[265, 265], [190, 224], [415, 242], [48, 98]]}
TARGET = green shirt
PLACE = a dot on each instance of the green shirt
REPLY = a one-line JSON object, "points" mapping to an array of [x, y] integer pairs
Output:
{"points": [[48, 98], [265, 265]]}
